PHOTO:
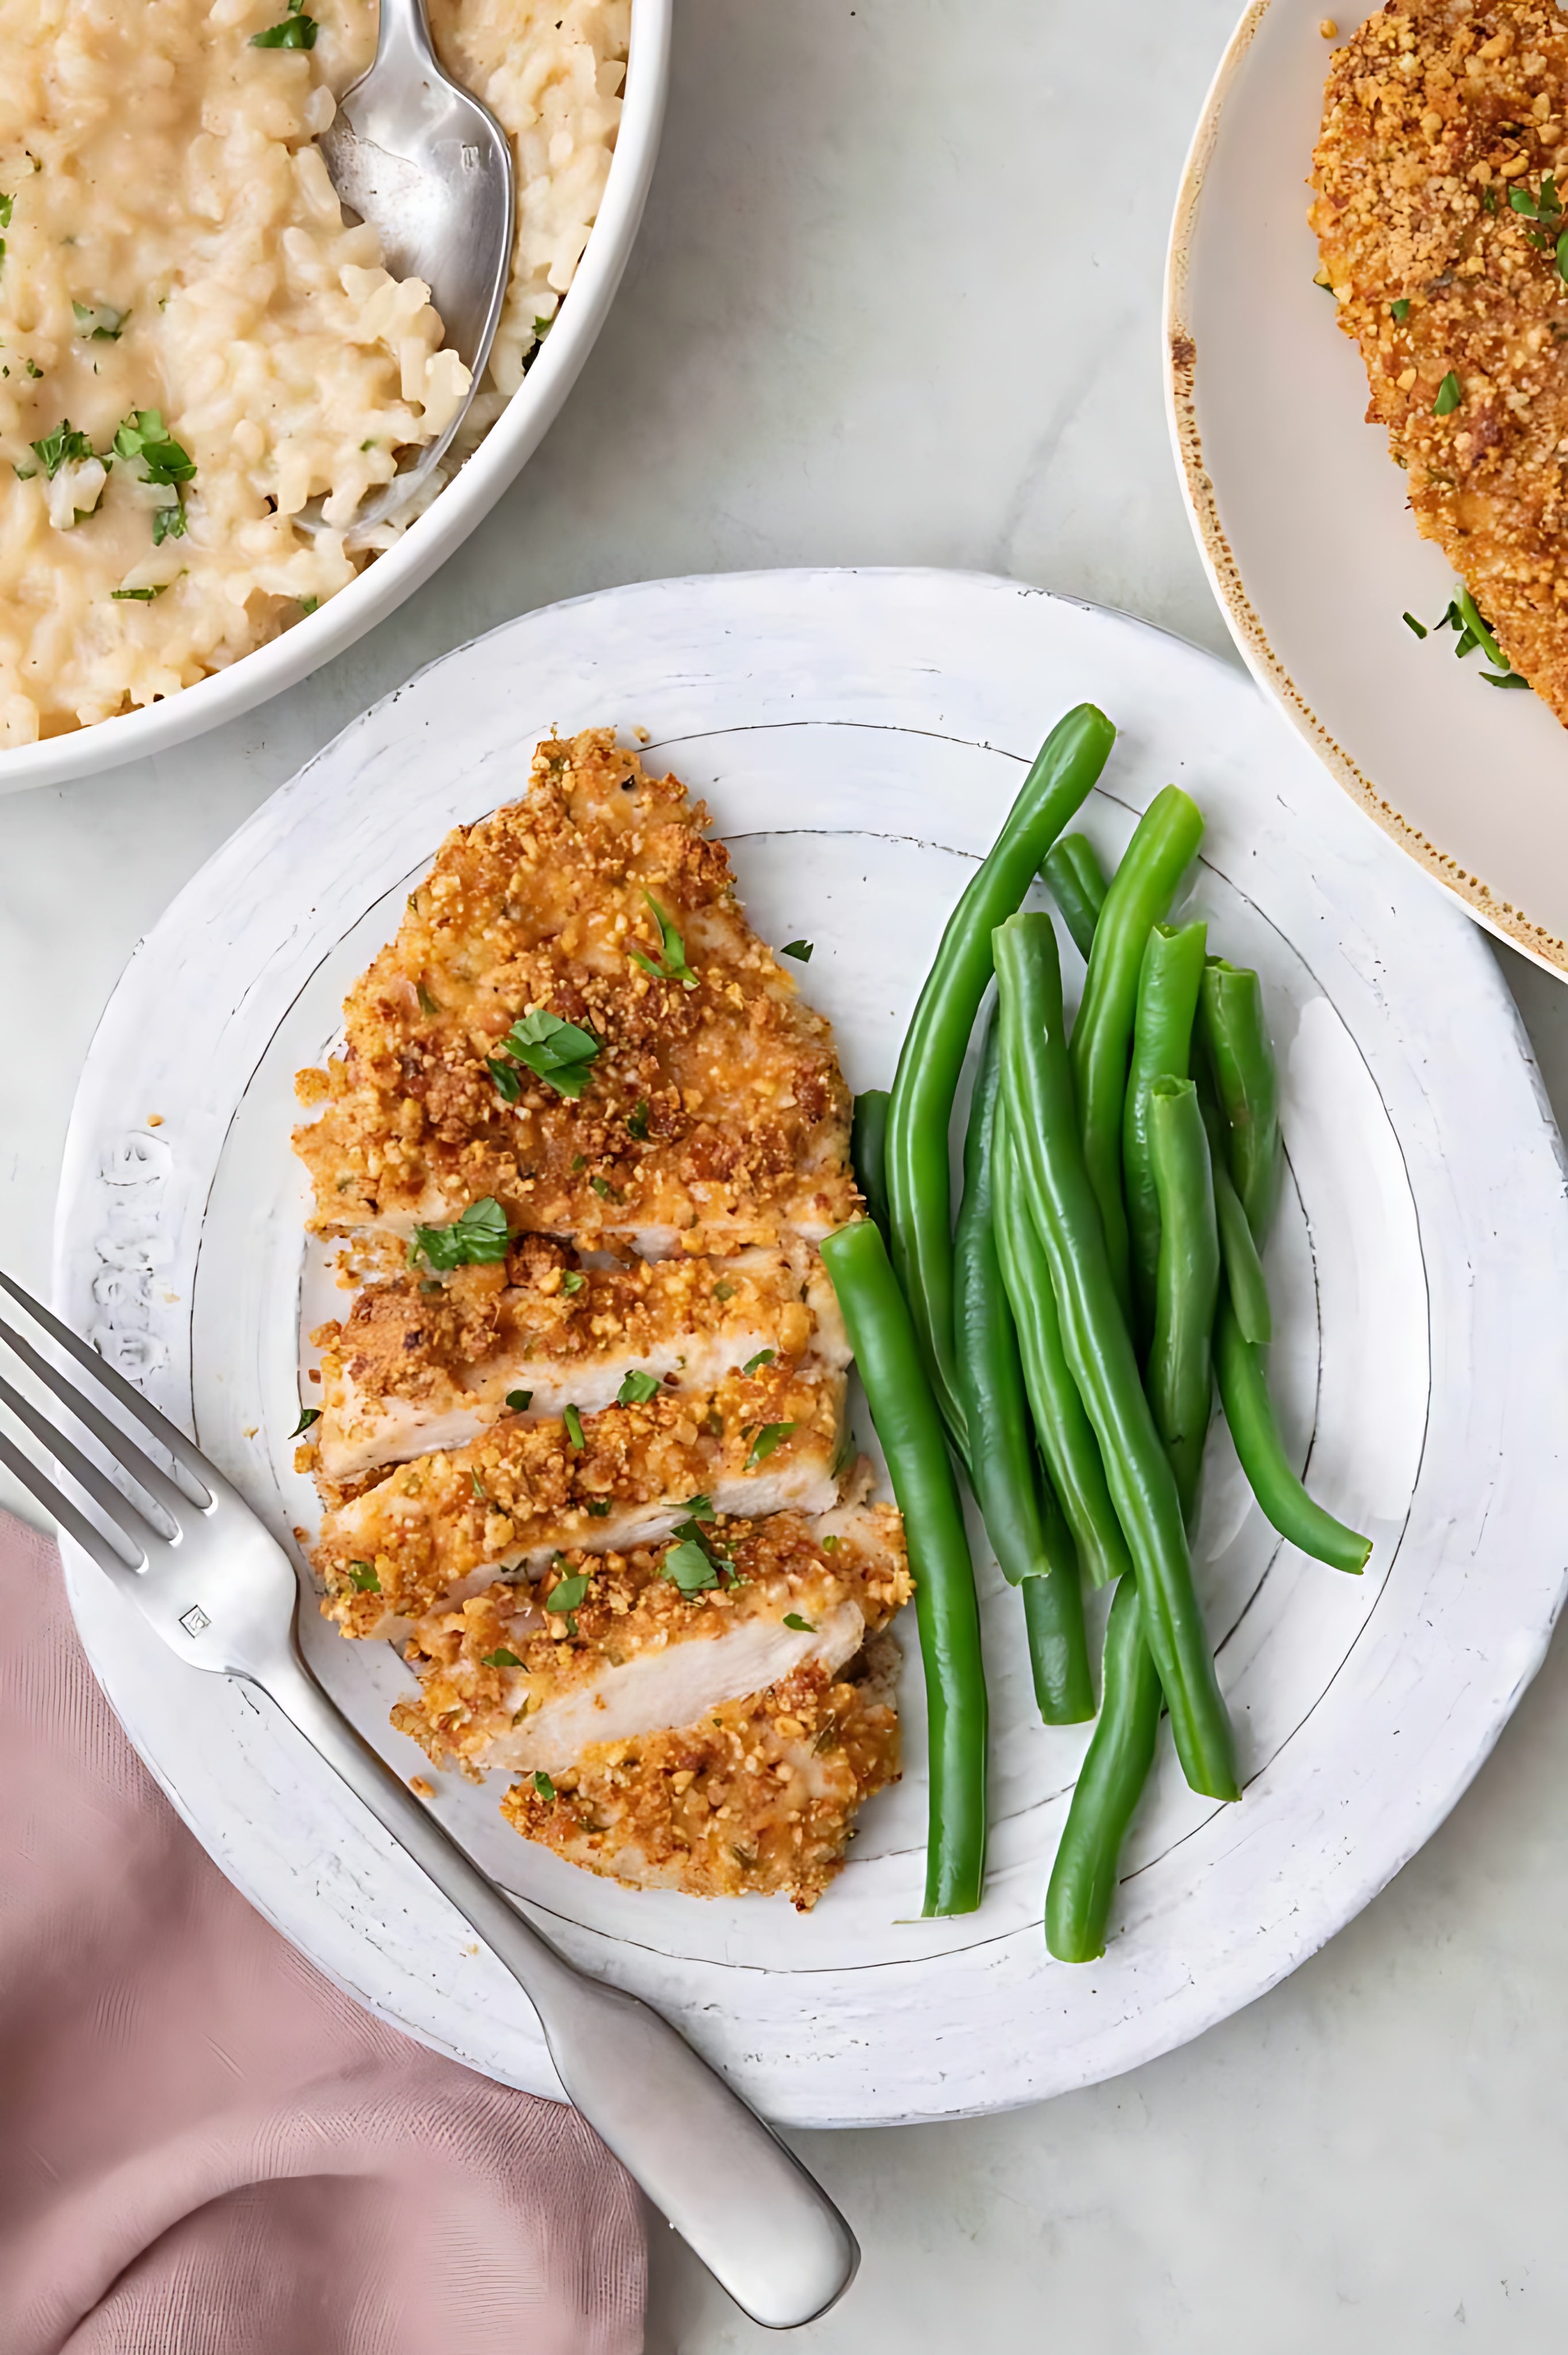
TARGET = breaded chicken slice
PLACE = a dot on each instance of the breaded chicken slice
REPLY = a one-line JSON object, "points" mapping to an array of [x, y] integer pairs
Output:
{"points": [[758, 1799], [1441, 120], [576, 1020], [438, 1530], [418, 1365], [653, 1639]]}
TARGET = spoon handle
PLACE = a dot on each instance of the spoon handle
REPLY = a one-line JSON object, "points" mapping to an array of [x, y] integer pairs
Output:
{"points": [[405, 34]]}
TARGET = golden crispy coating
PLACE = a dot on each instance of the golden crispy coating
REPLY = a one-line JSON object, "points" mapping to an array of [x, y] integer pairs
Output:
{"points": [[505, 1681], [419, 1364], [524, 1490], [713, 1115], [1435, 113], [758, 1797]]}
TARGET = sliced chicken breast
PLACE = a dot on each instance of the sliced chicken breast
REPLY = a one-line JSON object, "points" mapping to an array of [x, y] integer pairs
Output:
{"points": [[757, 1798], [651, 1640], [419, 1366], [439, 1529]]}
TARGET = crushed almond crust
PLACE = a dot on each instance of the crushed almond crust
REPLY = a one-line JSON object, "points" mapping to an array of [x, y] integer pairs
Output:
{"points": [[522, 1486], [781, 1564], [757, 1798], [1433, 112], [715, 1116]]}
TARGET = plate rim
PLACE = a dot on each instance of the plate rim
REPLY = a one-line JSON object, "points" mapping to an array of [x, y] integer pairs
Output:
{"points": [[1154, 2037], [1179, 369]]}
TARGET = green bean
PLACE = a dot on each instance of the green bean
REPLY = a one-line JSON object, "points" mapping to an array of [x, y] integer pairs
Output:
{"points": [[1037, 1092], [1114, 1772], [1238, 1252], [1031, 1542], [868, 1152], [1168, 983], [1249, 1411], [882, 1335], [1141, 891], [1181, 1378], [918, 1184], [1235, 1040], [1078, 884], [1066, 1436]]}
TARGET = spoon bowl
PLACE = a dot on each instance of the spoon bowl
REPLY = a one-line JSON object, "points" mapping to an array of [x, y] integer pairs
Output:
{"points": [[429, 168]]}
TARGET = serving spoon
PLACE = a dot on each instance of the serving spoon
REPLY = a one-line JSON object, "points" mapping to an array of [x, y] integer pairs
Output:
{"points": [[417, 155]]}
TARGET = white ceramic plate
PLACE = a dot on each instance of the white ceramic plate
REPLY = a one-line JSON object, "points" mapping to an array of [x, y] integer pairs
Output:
{"points": [[446, 523], [1301, 515], [859, 738]]}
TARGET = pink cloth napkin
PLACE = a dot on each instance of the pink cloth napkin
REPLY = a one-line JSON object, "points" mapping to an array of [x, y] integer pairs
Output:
{"points": [[204, 2149]]}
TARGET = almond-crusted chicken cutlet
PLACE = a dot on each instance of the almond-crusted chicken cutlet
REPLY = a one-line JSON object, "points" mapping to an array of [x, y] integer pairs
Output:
{"points": [[438, 1528], [418, 1365], [575, 1021], [1438, 214], [702, 1716]]}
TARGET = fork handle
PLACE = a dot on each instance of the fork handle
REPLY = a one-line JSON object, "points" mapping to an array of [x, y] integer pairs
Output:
{"points": [[762, 2225]]}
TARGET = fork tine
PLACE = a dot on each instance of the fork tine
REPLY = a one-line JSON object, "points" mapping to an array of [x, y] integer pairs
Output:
{"points": [[76, 1524], [82, 1470], [168, 1434], [124, 1450]]}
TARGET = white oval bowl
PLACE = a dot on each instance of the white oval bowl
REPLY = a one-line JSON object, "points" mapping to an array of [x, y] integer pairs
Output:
{"points": [[450, 516]]}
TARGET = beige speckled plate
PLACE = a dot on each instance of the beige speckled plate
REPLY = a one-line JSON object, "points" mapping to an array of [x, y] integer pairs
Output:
{"points": [[1300, 512]]}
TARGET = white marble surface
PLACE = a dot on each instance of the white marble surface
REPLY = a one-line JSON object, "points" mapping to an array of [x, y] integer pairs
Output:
{"points": [[896, 300]]}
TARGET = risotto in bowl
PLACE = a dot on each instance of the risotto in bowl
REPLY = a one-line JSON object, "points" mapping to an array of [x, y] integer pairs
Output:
{"points": [[195, 343]]}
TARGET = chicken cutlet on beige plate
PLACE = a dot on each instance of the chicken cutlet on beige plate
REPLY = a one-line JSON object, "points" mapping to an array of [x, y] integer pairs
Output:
{"points": [[582, 1441], [1439, 220]]}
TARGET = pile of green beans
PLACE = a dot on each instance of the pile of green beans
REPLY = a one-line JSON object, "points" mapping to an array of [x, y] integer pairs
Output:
{"points": [[1065, 1340]]}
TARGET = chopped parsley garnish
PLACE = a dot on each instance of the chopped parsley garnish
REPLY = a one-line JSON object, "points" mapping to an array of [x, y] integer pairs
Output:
{"points": [[308, 1414], [1412, 624], [556, 1051], [830, 1545], [605, 1190], [502, 1658], [5, 205], [574, 1424], [800, 950], [565, 1597], [1465, 617], [508, 1086], [771, 1435], [476, 1240], [637, 1120], [1504, 678], [34, 371], [64, 447], [294, 31], [169, 522], [1448, 396], [520, 1401], [309, 605], [801, 1626], [142, 438], [573, 1280], [600, 1508], [1550, 234], [699, 1508], [98, 323], [763, 1358], [363, 1575], [670, 965], [543, 1786], [542, 326], [724, 1291], [427, 1003], [637, 1388], [689, 1566], [480, 1490], [137, 596], [1400, 311]]}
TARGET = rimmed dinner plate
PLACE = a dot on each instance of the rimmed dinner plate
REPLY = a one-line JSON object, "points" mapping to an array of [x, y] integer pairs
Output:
{"points": [[1301, 515], [858, 737]]}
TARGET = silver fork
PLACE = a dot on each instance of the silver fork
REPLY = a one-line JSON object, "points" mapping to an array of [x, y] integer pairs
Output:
{"points": [[221, 1593]]}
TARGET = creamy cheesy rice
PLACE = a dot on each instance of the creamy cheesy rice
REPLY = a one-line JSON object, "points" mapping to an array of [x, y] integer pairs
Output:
{"points": [[192, 342]]}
